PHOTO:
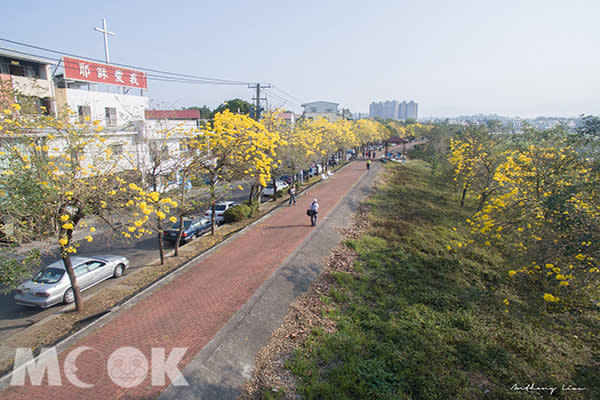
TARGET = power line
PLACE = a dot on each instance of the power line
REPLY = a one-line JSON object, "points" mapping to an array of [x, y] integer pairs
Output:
{"points": [[163, 76], [283, 99], [193, 77], [287, 94]]}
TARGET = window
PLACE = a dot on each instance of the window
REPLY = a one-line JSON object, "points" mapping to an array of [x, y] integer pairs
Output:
{"points": [[80, 270], [117, 149], [16, 69], [92, 265], [84, 113], [111, 116]]}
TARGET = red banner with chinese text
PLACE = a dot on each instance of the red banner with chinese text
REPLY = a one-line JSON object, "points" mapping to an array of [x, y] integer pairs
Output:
{"points": [[87, 71]]}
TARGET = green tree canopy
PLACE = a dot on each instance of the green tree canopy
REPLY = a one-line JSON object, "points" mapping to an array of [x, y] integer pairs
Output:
{"points": [[236, 106], [205, 112]]}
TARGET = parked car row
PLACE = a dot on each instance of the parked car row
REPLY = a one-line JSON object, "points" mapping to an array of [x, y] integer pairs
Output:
{"points": [[194, 227], [52, 285]]}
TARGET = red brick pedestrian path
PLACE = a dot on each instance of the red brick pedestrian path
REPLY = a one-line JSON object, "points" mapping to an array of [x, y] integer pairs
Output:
{"points": [[191, 309]]}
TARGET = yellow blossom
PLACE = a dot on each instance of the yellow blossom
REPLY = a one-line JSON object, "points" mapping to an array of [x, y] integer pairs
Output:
{"points": [[550, 298]]}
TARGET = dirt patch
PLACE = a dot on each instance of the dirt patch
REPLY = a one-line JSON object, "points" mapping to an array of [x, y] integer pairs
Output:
{"points": [[306, 314]]}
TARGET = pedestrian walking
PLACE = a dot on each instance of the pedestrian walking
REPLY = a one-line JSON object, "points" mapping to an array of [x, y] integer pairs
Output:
{"points": [[313, 212], [292, 192], [368, 164]]}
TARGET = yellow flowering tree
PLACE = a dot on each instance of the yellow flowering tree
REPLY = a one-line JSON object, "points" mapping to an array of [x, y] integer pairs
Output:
{"points": [[302, 144], [474, 156], [148, 204], [55, 174], [168, 163], [273, 123], [344, 138], [368, 131], [234, 146], [544, 218]]}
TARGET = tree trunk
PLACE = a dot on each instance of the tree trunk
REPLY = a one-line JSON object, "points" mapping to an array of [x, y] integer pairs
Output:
{"points": [[464, 195], [213, 217], [74, 284], [178, 236], [161, 248], [161, 245], [274, 189]]}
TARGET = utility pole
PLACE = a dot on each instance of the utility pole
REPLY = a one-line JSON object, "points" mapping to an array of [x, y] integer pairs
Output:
{"points": [[257, 98]]}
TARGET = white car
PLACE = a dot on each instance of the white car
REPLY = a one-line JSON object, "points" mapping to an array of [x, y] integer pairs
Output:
{"points": [[268, 191], [52, 284], [220, 210]]}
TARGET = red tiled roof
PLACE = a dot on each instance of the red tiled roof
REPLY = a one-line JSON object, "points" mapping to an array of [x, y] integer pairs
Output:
{"points": [[172, 114]]}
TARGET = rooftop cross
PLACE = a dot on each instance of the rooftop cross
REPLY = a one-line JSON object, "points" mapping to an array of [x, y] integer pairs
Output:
{"points": [[106, 33]]}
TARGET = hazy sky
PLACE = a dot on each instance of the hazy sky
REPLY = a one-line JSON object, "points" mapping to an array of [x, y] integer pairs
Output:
{"points": [[512, 57]]}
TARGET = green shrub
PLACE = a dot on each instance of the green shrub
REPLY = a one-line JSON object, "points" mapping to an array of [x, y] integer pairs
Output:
{"points": [[237, 213], [252, 205]]}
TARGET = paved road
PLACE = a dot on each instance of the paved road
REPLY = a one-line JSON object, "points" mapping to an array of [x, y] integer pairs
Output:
{"points": [[141, 252], [190, 308]]}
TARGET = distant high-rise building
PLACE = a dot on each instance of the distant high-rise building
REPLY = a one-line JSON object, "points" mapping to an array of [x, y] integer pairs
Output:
{"points": [[394, 110], [402, 110], [412, 110]]}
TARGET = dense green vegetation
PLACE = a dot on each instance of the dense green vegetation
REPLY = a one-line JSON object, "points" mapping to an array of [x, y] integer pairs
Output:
{"points": [[423, 321]]}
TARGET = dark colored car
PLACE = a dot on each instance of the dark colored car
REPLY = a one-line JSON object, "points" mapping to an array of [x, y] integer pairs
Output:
{"points": [[192, 228], [287, 179]]}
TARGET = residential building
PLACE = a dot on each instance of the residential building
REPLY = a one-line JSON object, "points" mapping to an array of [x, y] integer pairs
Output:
{"points": [[101, 92], [30, 76], [394, 110], [323, 109], [161, 143], [412, 110]]}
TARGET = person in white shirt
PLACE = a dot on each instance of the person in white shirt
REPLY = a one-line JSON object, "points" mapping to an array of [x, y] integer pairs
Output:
{"points": [[292, 192], [314, 208]]}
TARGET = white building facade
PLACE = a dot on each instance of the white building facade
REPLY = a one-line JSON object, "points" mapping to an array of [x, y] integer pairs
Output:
{"points": [[323, 109]]}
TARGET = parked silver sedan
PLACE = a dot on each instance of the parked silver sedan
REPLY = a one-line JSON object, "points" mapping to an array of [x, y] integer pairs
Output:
{"points": [[52, 285]]}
